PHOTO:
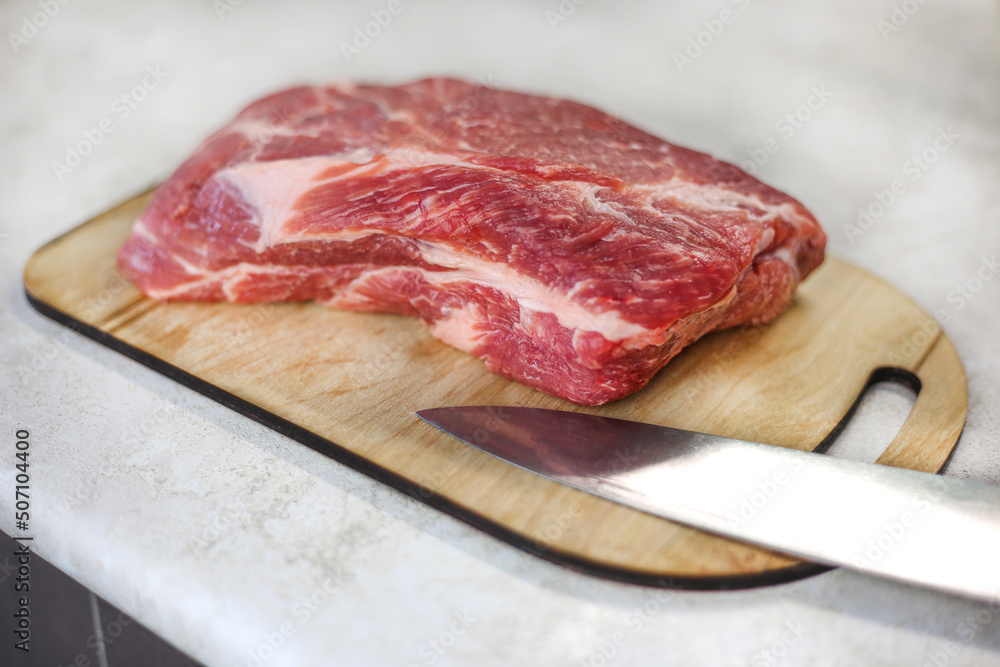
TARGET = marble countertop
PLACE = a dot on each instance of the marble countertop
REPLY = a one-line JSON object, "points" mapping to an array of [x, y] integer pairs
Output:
{"points": [[243, 547]]}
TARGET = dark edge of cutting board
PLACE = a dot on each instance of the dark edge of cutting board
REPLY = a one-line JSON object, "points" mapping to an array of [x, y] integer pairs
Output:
{"points": [[401, 484]]}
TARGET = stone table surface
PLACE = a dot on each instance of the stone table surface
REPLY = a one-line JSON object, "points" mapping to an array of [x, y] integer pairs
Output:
{"points": [[141, 489]]}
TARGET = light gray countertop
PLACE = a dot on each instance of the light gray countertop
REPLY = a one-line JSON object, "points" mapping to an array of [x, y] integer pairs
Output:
{"points": [[227, 538]]}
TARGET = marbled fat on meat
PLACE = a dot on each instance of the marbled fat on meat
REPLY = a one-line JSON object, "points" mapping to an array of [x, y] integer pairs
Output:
{"points": [[569, 250]]}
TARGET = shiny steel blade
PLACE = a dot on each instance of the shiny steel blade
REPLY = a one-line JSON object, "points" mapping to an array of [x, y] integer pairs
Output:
{"points": [[930, 530]]}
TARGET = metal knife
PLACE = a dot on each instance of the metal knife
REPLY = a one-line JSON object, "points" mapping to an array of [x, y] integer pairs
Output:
{"points": [[929, 530]]}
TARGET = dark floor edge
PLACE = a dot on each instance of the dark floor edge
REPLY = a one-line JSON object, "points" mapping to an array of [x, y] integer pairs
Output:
{"points": [[47, 569], [406, 486]]}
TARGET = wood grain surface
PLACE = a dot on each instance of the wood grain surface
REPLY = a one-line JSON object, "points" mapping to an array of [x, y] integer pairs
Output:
{"points": [[348, 384]]}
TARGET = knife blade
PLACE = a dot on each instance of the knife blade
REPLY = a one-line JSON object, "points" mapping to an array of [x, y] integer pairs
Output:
{"points": [[923, 529]]}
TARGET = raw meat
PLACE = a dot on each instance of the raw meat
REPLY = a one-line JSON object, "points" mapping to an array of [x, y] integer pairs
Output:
{"points": [[569, 250]]}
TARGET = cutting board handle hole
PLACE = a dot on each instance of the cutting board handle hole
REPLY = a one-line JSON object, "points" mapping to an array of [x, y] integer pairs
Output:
{"points": [[875, 417]]}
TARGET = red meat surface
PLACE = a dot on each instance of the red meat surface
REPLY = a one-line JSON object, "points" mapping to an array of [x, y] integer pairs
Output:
{"points": [[570, 251]]}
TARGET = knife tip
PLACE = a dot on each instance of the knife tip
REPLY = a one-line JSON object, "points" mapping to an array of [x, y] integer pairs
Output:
{"points": [[431, 415]]}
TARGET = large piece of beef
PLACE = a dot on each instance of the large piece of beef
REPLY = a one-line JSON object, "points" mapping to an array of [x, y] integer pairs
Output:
{"points": [[569, 250]]}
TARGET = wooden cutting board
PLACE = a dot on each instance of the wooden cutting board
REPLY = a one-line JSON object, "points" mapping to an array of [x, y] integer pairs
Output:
{"points": [[347, 384]]}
